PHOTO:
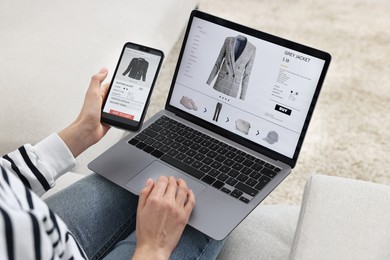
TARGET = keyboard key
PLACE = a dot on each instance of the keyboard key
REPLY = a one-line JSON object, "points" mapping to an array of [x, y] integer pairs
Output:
{"points": [[157, 153], [167, 141], [205, 168], [226, 190], [191, 153], [141, 145], [195, 146], [242, 177], [208, 179], [148, 149], [160, 121], [155, 127], [256, 167], [180, 156], [231, 182], [246, 171], [203, 150], [218, 184], [239, 158], [175, 145], [245, 188], [160, 138], [250, 157], [150, 132], [214, 147], [149, 141], [230, 154], [243, 199], [233, 173], [268, 172], [199, 156], [216, 164], [211, 154], [213, 172], [262, 182], [180, 139], [228, 162], [165, 149], [224, 169], [248, 163], [207, 160], [197, 164], [173, 152], [141, 137], [183, 149], [237, 166], [172, 135], [222, 151], [236, 193], [222, 177], [182, 166], [220, 158], [251, 182], [187, 143], [189, 160], [255, 175], [133, 141]]}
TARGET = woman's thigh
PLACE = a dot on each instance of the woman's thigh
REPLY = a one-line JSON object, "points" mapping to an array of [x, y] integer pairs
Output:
{"points": [[97, 212], [192, 245]]}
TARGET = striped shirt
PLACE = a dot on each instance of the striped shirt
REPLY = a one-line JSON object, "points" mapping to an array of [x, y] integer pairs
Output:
{"points": [[28, 228]]}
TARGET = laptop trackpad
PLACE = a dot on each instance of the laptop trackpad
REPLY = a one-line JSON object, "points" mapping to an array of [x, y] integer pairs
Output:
{"points": [[155, 170]]}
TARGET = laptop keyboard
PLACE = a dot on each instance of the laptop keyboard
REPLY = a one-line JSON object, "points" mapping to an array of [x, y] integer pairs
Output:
{"points": [[216, 163]]}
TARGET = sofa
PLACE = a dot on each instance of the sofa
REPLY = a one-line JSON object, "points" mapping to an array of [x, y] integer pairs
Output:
{"points": [[338, 218], [49, 50]]}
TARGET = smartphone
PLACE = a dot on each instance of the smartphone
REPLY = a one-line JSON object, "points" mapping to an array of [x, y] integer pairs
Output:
{"points": [[131, 87]]}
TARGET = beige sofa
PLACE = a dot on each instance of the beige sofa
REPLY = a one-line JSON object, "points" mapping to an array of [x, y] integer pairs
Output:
{"points": [[339, 219], [49, 50]]}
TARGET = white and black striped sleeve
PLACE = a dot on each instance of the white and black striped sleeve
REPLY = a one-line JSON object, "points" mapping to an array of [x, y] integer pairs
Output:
{"points": [[28, 228], [39, 166]]}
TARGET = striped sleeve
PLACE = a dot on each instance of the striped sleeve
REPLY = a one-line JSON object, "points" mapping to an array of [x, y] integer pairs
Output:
{"points": [[28, 228], [39, 166]]}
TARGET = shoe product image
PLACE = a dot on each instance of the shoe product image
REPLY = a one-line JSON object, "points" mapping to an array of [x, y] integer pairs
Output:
{"points": [[188, 103]]}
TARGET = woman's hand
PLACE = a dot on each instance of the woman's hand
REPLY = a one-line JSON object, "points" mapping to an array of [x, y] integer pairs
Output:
{"points": [[87, 130], [164, 209]]}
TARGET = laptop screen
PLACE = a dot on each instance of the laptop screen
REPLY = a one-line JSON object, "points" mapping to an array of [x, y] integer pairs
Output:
{"points": [[247, 84]]}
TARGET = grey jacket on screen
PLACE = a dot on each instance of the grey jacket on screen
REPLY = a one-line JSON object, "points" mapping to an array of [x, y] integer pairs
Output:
{"points": [[234, 64]]}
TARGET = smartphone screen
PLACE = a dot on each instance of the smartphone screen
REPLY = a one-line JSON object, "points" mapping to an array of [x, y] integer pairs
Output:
{"points": [[131, 86]]}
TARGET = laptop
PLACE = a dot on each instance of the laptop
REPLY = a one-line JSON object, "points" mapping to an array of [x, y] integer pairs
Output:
{"points": [[236, 115]]}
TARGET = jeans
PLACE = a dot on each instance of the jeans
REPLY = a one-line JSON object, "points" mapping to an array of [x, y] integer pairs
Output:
{"points": [[102, 215]]}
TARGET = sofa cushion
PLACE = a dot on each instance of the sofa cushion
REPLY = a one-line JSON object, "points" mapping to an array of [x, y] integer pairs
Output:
{"points": [[267, 233], [343, 219]]}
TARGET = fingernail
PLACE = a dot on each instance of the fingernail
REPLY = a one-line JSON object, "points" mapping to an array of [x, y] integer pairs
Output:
{"points": [[148, 182], [103, 70]]}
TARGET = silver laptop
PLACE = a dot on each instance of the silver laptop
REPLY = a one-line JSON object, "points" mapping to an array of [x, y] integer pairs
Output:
{"points": [[237, 112]]}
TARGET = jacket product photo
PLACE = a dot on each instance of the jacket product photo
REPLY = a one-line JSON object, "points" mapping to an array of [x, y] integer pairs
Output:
{"points": [[233, 66], [137, 69]]}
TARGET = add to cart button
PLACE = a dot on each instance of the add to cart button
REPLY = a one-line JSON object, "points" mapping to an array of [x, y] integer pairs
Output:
{"points": [[283, 110], [121, 114]]}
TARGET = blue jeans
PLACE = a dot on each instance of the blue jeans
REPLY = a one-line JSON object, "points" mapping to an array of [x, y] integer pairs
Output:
{"points": [[101, 216]]}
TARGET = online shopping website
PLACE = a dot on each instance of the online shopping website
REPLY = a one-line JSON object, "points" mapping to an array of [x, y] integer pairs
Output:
{"points": [[132, 84], [251, 87]]}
